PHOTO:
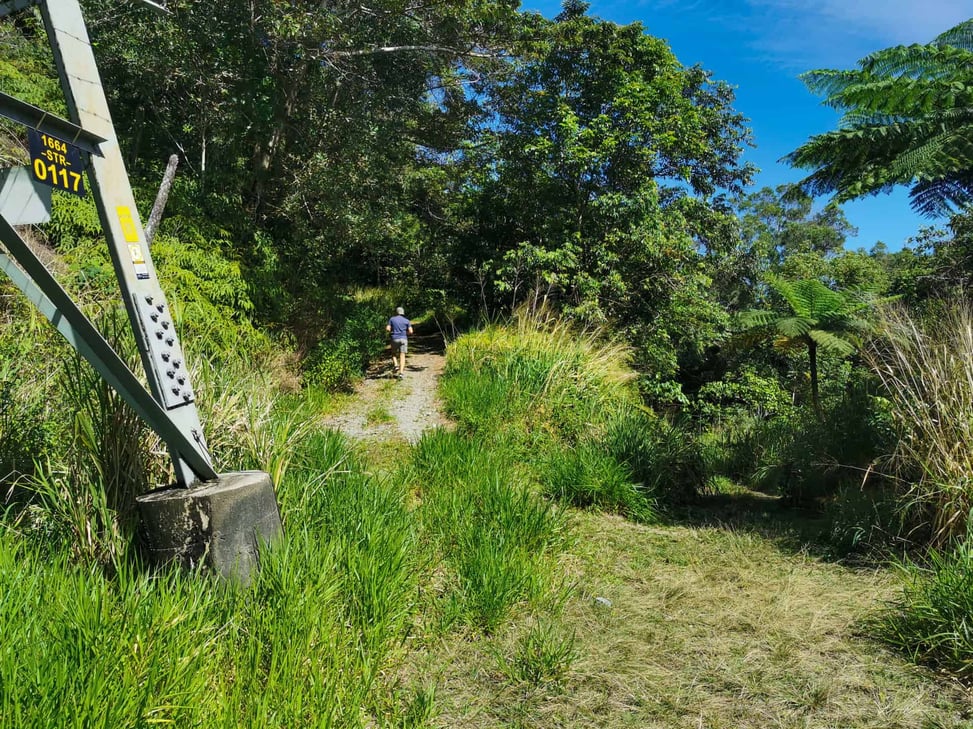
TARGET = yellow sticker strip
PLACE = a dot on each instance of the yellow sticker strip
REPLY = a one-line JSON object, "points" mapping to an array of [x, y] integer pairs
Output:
{"points": [[129, 229]]}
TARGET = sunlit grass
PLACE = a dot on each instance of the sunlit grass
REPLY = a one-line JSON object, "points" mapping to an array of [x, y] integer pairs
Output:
{"points": [[927, 370], [689, 627], [932, 620], [449, 583], [496, 536]]}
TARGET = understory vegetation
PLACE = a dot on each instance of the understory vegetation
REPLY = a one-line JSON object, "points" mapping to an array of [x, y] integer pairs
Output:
{"points": [[705, 465], [461, 585]]}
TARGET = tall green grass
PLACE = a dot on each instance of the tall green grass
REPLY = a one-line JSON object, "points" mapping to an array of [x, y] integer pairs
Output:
{"points": [[540, 375], [564, 399], [926, 366], [498, 537], [319, 636], [309, 643], [932, 620]]}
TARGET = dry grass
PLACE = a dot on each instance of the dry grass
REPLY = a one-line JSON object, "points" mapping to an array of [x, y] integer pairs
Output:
{"points": [[708, 627], [927, 370]]}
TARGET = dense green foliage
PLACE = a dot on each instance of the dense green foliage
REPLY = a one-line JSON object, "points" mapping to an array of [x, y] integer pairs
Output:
{"points": [[610, 201], [907, 121], [570, 177]]}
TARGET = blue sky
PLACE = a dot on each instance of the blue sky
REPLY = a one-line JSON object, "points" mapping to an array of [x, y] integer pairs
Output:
{"points": [[760, 46]]}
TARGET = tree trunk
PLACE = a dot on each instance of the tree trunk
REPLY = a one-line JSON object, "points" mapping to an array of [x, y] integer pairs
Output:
{"points": [[155, 217], [812, 353]]}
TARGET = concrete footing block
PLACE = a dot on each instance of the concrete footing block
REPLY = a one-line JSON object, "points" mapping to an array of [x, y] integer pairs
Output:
{"points": [[220, 524]]}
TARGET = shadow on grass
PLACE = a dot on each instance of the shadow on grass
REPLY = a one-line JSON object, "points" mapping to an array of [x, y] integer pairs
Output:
{"points": [[791, 528]]}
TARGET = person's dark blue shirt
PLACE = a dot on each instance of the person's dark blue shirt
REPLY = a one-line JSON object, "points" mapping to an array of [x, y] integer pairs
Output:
{"points": [[400, 327]]}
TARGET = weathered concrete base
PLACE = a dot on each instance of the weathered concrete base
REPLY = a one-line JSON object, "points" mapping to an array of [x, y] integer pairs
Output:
{"points": [[220, 524]]}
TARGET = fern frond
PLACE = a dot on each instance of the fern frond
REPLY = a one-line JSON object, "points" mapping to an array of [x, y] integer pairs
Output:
{"points": [[904, 97], [941, 198], [794, 327], [908, 119], [916, 61], [960, 36], [754, 318], [949, 152], [831, 342], [827, 82]]}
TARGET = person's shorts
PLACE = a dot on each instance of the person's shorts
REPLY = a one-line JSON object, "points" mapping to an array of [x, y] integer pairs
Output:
{"points": [[400, 345]]}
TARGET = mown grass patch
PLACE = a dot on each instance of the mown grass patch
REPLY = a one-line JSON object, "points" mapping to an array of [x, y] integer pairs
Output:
{"points": [[698, 627]]}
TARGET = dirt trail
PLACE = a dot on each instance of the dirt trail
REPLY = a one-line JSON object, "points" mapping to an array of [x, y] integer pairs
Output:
{"points": [[385, 408]]}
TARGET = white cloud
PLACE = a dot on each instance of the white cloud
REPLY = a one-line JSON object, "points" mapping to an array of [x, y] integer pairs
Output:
{"points": [[839, 32], [899, 21]]}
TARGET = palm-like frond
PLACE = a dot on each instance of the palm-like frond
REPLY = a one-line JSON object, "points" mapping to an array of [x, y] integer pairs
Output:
{"points": [[916, 61], [755, 319], [960, 36], [813, 307], [831, 342], [793, 327], [902, 97], [908, 119], [818, 318], [932, 198]]}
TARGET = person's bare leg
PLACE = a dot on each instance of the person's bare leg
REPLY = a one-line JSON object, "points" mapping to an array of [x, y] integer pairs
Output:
{"points": [[401, 362]]}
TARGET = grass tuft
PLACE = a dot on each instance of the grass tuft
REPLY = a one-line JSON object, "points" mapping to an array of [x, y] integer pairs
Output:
{"points": [[497, 535], [927, 370], [932, 620]]}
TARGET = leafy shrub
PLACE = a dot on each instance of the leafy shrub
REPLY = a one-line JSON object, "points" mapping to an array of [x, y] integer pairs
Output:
{"points": [[208, 294], [793, 453], [335, 362], [746, 393]]}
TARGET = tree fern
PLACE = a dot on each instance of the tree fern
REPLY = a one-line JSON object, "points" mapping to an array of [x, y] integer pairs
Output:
{"points": [[907, 120], [817, 317]]}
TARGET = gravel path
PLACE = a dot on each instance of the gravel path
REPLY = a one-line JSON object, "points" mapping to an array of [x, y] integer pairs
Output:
{"points": [[386, 408]]}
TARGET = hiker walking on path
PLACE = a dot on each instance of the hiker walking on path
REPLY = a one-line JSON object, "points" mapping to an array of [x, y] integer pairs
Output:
{"points": [[400, 328]]}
